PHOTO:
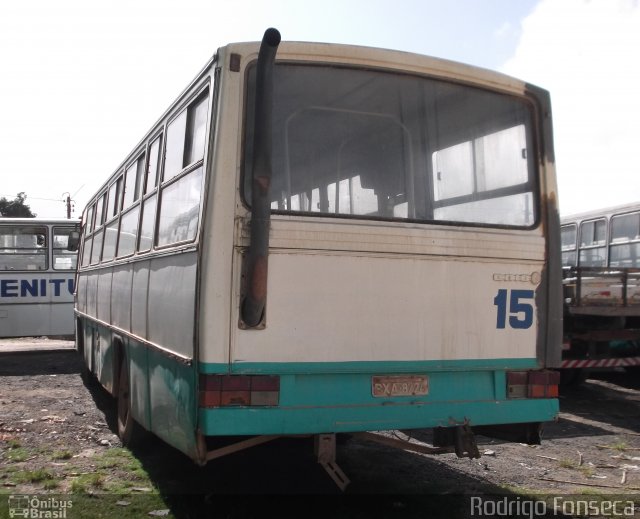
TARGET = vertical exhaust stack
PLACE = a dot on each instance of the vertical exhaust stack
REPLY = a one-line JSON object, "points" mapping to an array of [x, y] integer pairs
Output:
{"points": [[255, 296]]}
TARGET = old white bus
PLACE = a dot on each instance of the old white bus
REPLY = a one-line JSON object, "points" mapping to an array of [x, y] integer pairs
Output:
{"points": [[601, 266], [336, 239], [36, 277]]}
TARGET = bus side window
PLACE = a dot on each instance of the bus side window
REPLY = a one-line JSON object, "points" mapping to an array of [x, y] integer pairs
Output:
{"points": [[128, 233], [593, 243], [569, 234], [180, 192], [624, 250], [23, 248], [63, 259], [148, 219], [96, 249]]}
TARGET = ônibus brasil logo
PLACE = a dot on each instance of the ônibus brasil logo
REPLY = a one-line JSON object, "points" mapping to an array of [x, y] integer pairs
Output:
{"points": [[35, 507]]}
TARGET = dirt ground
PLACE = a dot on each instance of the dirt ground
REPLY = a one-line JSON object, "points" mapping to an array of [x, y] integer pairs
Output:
{"points": [[57, 436]]}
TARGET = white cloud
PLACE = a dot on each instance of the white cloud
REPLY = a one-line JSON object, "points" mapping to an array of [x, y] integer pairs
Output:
{"points": [[587, 54], [504, 31]]}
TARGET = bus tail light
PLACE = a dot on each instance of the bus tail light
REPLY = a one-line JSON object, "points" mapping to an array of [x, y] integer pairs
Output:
{"points": [[533, 384], [239, 390]]}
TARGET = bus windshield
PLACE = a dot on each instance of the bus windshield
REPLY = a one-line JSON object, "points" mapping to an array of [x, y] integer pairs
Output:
{"points": [[367, 144]]}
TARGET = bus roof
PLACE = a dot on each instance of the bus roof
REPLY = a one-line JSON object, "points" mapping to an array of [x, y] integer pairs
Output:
{"points": [[605, 211], [36, 220]]}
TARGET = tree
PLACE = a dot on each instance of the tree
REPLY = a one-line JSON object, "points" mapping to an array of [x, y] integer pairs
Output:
{"points": [[16, 208]]}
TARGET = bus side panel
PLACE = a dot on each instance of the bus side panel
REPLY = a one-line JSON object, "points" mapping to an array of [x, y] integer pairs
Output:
{"points": [[171, 323], [38, 303], [104, 295], [173, 401], [104, 358], [137, 355], [172, 296], [92, 293], [138, 298], [81, 293], [87, 352], [121, 294]]}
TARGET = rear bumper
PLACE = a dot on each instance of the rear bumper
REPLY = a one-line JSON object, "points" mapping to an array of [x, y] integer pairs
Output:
{"points": [[343, 402]]}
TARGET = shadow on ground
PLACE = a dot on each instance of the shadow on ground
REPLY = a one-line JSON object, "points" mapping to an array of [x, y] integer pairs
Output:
{"points": [[282, 478], [52, 362]]}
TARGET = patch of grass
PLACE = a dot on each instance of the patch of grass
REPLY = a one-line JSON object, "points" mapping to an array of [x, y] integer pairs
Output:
{"points": [[62, 455], [121, 486], [119, 458], [566, 463], [17, 454], [592, 492], [14, 444], [619, 446], [78, 487], [587, 472], [33, 476], [104, 505], [51, 484], [88, 482]]}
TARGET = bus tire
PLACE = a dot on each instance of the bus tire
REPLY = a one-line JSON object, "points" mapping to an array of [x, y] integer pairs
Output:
{"points": [[129, 431]]}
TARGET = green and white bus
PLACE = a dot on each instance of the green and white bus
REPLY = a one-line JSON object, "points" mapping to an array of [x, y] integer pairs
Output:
{"points": [[316, 239]]}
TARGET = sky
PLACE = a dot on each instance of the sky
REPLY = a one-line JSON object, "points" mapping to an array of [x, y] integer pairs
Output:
{"points": [[82, 81]]}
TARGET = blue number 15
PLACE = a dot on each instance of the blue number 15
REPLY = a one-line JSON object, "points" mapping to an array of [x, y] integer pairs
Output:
{"points": [[520, 313]]}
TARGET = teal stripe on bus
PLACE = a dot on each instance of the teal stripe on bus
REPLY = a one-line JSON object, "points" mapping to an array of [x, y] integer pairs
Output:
{"points": [[329, 400], [368, 366]]}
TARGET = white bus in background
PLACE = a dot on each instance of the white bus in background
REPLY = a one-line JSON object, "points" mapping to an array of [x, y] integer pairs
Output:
{"points": [[36, 277], [346, 239], [601, 263]]}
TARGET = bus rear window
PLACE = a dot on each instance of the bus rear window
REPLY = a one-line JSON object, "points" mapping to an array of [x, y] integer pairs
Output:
{"points": [[367, 144]]}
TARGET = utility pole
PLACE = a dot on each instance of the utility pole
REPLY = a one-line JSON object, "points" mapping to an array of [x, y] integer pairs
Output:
{"points": [[67, 200]]}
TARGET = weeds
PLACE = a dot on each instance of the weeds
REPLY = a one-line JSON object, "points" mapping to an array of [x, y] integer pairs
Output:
{"points": [[62, 455], [566, 463], [33, 476], [17, 454]]}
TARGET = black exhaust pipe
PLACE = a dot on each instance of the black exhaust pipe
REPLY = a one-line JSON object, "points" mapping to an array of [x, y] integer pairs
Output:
{"points": [[255, 298]]}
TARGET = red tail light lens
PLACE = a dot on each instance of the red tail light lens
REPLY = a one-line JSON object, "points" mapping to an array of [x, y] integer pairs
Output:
{"points": [[239, 390], [533, 384]]}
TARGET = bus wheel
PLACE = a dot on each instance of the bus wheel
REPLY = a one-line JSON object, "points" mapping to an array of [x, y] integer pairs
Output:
{"points": [[129, 431]]}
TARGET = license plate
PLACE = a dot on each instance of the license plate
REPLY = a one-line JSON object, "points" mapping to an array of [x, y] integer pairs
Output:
{"points": [[399, 385]]}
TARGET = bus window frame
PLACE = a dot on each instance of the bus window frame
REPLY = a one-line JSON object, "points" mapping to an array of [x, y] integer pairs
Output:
{"points": [[151, 190], [44, 249], [604, 245], [621, 242], [140, 173], [115, 209], [54, 228], [533, 186], [98, 227], [574, 248], [203, 91]]}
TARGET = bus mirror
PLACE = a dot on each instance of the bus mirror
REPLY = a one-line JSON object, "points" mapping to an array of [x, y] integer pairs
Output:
{"points": [[74, 240]]}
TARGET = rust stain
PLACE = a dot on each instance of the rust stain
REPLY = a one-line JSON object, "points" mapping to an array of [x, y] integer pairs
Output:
{"points": [[259, 279]]}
